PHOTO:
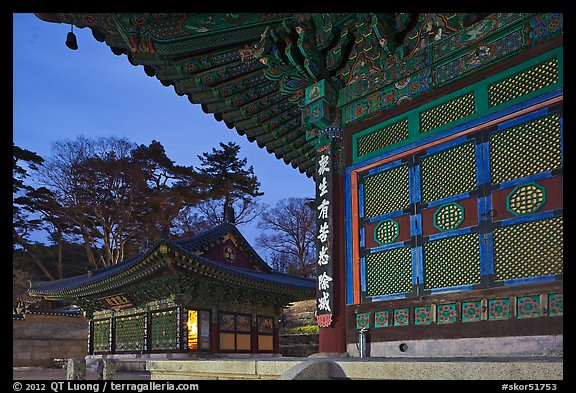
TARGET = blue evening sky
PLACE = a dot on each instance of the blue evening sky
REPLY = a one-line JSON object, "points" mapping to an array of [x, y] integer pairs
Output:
{"points": [[59, 93]]}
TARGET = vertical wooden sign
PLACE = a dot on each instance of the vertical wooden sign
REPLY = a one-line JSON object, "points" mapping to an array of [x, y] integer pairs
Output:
{"points": [[324, 235]]}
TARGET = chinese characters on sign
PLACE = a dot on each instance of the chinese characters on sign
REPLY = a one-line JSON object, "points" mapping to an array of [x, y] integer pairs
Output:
{"points": [[116, 301], [324, 301]]}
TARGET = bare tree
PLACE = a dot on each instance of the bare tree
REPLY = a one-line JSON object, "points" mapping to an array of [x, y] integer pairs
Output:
{"points": [[292, 242], [95, 186]]}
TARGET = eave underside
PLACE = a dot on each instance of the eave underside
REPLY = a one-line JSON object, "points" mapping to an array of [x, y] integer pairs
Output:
{"points": [[185, 280], [209, 71]]}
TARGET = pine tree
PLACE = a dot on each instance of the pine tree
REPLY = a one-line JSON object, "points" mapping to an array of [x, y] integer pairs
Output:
{"points": [[232, 185]]}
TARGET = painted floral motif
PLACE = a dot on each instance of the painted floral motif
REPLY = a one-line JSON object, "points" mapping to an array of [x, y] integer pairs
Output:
{"points": [[401, 317], [446, 313], [381, 319], [499, 309], [471, 311], [555, 304], [422, 315], [362, 320], [528, 307]]}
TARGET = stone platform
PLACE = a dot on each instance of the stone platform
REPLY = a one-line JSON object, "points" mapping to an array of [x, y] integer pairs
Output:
{"points": [[505, 368]]}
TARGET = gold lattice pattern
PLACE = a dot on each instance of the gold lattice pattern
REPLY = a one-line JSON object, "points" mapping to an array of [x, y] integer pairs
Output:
{"points": [[526, 149], [386, 192], [389, 272], [383, 137], [448, 216], [164, 329], [452, 261], [528, 250], [130, 333], [449, 172], [101, 336], [526, 199], [522, 83], [386, 232], [448, 112]]}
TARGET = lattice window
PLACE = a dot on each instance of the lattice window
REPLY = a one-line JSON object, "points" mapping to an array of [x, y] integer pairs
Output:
{"points": [[389, 272], [452, 261], [383, 137], [526, 199], [131, 333], [513, 248], [448, 112], [529, 148], [528, 250], [101, 336], [386, 231], [525, 82], [448, 216], [164, 330], [386, 192], [449, 172]]}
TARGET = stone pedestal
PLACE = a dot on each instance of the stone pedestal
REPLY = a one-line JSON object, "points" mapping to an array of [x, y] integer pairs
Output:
{"points": [[106, 369], [76, 369]]}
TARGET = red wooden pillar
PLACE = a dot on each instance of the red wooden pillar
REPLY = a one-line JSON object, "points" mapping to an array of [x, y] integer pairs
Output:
{"points": [[333, 338]]}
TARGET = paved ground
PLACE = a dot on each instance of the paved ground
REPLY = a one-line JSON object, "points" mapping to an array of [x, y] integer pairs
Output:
{"points": [[51, 374]]}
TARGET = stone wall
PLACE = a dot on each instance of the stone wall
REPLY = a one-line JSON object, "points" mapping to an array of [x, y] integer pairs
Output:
{"points": [[45, 340]]}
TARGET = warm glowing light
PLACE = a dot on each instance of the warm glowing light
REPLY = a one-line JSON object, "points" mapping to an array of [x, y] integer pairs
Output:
{"points": [[192, 325]]}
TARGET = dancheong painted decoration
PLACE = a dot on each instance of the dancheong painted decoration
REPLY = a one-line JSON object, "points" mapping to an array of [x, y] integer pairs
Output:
{"points": [[184, 296], [435, 141]]}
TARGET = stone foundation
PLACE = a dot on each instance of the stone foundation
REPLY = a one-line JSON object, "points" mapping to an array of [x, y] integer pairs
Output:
{"points": [[465, 347], [45, 340], [361, 369]]}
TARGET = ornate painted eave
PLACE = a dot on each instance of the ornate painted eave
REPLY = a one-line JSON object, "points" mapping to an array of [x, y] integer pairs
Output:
{"points": [[280, 79], [179, 261]]}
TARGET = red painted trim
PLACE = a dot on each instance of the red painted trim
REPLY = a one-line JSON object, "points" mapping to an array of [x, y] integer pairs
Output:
{"points": [[355, 239]]}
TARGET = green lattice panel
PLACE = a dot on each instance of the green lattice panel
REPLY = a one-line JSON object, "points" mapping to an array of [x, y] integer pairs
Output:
{"points": [[131, 334], [448, 112], [526, 149], [164, 330], [386, 192], [389, 271], [525, 82], [529, 249], [383, 137], [101, 336], [452, 261], [449, 172]]}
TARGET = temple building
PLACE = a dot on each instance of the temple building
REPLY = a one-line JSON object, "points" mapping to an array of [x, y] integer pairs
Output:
{"points": [[211, 293], [435, 141]]}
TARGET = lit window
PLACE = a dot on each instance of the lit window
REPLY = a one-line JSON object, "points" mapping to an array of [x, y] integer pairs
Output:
{"points": [[192, 325]]}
